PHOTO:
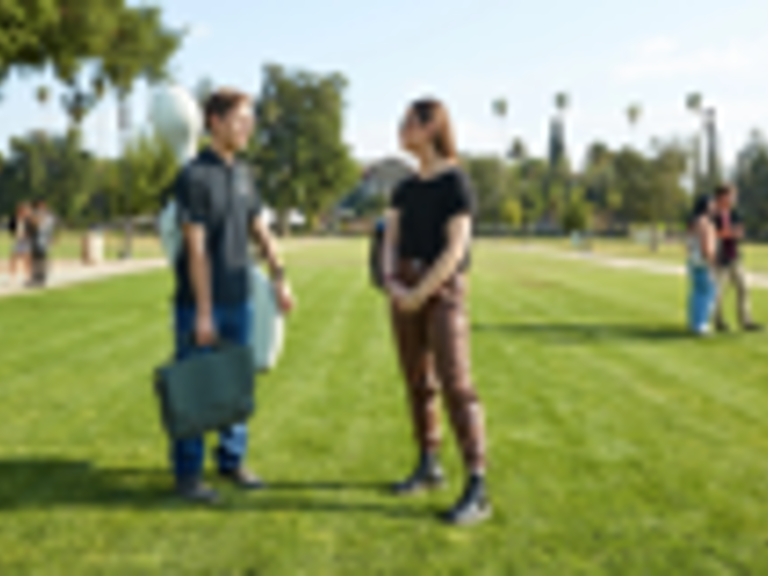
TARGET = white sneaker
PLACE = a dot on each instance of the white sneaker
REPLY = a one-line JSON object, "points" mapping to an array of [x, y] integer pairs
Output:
{"points": [[703, 332]]}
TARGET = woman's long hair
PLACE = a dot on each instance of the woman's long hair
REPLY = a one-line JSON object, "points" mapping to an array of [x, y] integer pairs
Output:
{"points": [[432, 112], [700, 208]]}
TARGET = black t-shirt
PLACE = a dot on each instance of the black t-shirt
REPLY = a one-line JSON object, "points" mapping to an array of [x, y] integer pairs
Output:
{"points": [[728, 248], [426, 207], [221, 198]]}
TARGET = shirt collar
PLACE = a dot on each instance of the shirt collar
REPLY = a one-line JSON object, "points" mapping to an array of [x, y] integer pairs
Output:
{"points": [[209, 155]]}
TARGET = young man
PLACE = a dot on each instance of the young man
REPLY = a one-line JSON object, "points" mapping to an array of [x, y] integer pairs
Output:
{"points": [[218, 210], [728, 267]]}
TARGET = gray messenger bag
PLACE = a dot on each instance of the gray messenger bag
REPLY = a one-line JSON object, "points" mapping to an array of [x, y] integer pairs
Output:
{"points": [[206, 391]]}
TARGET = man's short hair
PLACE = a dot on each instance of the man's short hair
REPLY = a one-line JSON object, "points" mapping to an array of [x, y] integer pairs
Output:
{"points": [[222, 102], [724, 190]]}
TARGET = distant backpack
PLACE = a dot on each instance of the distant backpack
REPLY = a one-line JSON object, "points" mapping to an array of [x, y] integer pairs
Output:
{"points": [[376, 251]]}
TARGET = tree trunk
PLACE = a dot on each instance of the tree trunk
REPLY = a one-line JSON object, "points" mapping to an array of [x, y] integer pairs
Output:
{"points": [[124, 123], [654, 237], [284, 223]]}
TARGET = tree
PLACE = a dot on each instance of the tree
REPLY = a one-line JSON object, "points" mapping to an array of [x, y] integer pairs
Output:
{"points": [[650, 187], [558, 153], [142, 49], [484, 173], [518, 151], [634, 113], [599, 181], [512, 212], [43, 96], [577, 213], [500, 108], [562, 103], [151, 166], [53, 168], [752, 180], [23, 23], [299, 156], [501, 111], [694, 102]]}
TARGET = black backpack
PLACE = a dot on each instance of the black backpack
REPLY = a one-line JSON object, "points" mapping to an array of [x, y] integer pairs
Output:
{"points": [[12, 224], [376, 249]]}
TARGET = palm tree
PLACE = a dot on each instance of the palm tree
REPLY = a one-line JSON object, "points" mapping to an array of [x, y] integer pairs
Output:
{"points": [[43, 96], [634, 114], [518, 151], [559, 170], [695, 103], [501, 111], [562, 102]]}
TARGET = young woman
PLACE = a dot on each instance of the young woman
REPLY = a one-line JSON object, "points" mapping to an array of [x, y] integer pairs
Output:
{"points": [[21, 250], [702, 253], [425, 259]]}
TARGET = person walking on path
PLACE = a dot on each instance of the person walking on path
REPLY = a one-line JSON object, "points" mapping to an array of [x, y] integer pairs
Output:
{"points": [[20, 260]]}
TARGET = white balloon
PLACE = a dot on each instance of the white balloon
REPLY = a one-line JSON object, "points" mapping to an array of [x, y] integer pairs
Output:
{"points": [[177, 119]]}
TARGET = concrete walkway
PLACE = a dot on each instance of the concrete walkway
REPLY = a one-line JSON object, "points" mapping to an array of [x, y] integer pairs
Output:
{"points": [[67, 273], [754, 280]]}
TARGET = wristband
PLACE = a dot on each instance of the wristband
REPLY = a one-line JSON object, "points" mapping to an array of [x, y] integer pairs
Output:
{"points": [[278, 274]]}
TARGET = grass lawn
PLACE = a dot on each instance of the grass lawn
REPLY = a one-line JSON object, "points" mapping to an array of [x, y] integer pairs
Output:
{"points": [[755, 255], [618, 445]]}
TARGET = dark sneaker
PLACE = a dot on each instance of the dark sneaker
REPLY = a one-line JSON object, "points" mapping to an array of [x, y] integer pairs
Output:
{"points": [[722, 327], [753, 327], [423, 480], [196, 492], [473, 506], [468, 511], [243, 479]]}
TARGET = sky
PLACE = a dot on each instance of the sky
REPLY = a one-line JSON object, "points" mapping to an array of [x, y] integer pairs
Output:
{"points": [[606, 54]]}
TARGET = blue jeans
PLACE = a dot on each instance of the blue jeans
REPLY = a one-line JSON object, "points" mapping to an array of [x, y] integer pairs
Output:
{"points": [[701, 301], [234, 324]]}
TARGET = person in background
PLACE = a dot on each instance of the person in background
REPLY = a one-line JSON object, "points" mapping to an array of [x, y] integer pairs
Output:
{"points": [[219, 212], [728, 267], [41, 229], [702, 252], [426, 257], [20, 263]]}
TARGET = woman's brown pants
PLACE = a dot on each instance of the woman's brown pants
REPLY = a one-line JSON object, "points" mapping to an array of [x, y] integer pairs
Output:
{"points": [[433, 346]]}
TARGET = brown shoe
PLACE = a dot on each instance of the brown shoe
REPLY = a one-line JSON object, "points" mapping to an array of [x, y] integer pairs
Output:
{"points": [[243, 479]]}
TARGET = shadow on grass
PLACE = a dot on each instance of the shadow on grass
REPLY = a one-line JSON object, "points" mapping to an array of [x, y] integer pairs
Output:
{"points": [[58, 483], [574, 334]]}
